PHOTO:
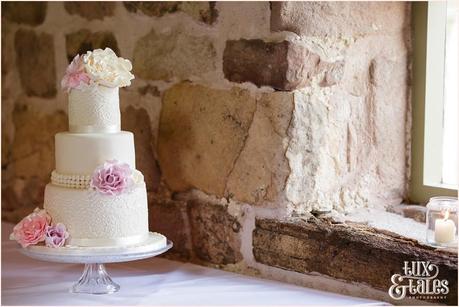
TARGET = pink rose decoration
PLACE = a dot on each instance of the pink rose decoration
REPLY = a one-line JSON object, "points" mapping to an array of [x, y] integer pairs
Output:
{"points": [[56, 235], [75, 74], [112, 178], [31, 229]]}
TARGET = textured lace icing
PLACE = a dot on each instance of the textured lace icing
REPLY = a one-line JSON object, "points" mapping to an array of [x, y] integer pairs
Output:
{"points": [[88, 214], [95, 106]]}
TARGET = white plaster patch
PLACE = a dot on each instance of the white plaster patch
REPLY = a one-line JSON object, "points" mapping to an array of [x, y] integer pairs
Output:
{"points": [[330, 49], [398, 224]]}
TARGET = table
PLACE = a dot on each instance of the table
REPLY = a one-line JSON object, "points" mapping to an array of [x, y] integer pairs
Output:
{"points": [[154, 281]]}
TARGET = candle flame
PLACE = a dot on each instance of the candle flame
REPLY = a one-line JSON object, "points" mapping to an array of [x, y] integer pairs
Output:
{"points": [[446, 215]]}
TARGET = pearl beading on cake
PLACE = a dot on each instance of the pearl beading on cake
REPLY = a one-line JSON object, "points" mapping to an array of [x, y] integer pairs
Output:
{"points": [[70, 181], [83, 181]]}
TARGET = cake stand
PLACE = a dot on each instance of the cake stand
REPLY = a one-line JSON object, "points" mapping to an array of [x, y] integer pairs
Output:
{"points": [[95, 279]]}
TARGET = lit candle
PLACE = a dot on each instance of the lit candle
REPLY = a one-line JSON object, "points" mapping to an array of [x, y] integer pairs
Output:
{"points": [[445, 229]]}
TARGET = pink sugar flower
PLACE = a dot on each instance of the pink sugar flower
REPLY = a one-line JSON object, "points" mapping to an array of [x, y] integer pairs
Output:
{"points": [[56, 235], [75, 75], [112, 178], [31, 229]]}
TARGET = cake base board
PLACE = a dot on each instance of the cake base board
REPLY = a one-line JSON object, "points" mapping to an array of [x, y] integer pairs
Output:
{"points": [[156, 244]]}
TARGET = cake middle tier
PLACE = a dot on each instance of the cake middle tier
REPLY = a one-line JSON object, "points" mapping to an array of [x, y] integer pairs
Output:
{"points": [[81, 154]]}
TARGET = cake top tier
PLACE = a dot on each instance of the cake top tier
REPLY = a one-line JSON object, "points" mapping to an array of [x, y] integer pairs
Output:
{"points": [[92, 81]]}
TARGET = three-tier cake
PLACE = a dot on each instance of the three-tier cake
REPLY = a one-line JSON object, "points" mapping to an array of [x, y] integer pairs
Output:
{"points": [[96, 197]]}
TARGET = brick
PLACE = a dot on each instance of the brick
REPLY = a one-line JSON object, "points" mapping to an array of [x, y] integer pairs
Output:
{"points": [[282, 65]]}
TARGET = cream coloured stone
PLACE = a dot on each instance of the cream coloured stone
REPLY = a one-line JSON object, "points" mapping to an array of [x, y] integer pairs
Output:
{"points": [[164, 56], [345, 151], [90, 10], [337, 18]]}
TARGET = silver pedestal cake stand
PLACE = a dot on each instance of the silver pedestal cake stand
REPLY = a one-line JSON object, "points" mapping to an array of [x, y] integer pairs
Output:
{"points": [[95, 279]]}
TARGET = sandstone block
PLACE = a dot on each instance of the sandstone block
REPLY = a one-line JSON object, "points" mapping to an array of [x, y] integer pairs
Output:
{"points": [[20, 197], [84, 40], [356, 133], [32, 152], [149, 90], [282, 65], [215, 233], [261, 170], [31, 13], [138, 122], [201, 133], [170, 218], [350, 252], [156, 9], [31, 160], [7, 49], [335, 18], [201, 11], [36, 63], [163, 56], [390, 99], [321, 148], [6, 141], [90, 10]]}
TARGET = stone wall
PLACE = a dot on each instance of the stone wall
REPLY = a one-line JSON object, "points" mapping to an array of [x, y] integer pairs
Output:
{"points": [[241, 111]]}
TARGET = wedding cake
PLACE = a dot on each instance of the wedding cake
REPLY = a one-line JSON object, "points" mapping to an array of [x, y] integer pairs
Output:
{"points": [[96, 197]]}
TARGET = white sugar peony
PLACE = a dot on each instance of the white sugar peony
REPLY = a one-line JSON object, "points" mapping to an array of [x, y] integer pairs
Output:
{"points": [[107, 69]]}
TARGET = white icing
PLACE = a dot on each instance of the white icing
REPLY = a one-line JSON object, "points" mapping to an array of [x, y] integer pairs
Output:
{"points": [[80, 154], [94, 219], [90, 215], [94, 109]]}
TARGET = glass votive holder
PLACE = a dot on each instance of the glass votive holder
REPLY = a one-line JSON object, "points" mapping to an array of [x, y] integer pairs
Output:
{"points": [[441, 221]]}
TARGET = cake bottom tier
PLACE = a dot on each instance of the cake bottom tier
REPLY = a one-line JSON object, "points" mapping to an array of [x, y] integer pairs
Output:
{"points": [[94, 219]]}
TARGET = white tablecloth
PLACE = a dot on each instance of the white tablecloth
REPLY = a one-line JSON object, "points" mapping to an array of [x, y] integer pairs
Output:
{"points": [[153, 281]]}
